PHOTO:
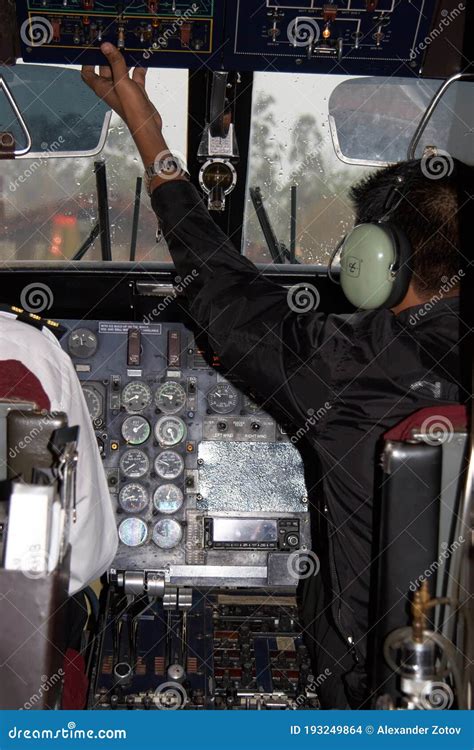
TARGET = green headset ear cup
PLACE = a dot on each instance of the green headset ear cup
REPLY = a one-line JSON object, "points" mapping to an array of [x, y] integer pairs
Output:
{"points": [[375, 268]]}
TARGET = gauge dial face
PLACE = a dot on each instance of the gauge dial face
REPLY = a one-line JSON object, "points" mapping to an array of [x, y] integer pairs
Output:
{"points": [[136, 397], [136, 430], [170, 431], [223, 398], [167, 533], [133, 532], [218, 173], [93, 401], [170, 397], [168, 498], [134, 464], [133, 498], [82, 343], [169, 465]]}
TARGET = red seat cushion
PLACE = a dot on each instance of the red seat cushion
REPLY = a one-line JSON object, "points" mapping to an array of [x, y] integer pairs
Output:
{"points": [[76, 683], [429, 419]]}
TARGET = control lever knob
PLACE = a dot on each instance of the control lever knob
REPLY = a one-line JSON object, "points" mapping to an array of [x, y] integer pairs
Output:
{"points": [[123, 672], [176, 673]]}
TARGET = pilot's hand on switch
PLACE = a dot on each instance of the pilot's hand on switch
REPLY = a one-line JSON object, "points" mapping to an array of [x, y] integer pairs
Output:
{"points": [[124, 94], [127, 96]]}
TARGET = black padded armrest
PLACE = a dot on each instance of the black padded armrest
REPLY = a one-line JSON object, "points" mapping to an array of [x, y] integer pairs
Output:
{"points": [[406, 525]]}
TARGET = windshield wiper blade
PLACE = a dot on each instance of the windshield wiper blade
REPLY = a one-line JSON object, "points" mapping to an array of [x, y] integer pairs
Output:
{"points": [[278, 250], [136, 218], [102, 227], [87, 243], [103, 207]]}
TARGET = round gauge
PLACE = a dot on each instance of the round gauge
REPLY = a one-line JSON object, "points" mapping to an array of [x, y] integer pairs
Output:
{"points": [[93, 401], [169, 465], [134, 464], [222, 398], [168, 498], [133, 498], [136, 396], [82, 343], [251, 406], [167, 533], [135, 430], [217, 174], [170, 397], [170, 431], [133, 532]]}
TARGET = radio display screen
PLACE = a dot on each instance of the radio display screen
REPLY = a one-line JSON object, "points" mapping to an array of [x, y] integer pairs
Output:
{"points": [[245, 530]]}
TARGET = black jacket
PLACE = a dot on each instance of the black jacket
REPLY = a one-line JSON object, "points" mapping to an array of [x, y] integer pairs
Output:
{"points": [[342, 380]]}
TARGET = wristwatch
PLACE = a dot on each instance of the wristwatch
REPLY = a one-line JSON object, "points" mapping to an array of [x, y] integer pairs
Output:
{"points": [[168, 169]]}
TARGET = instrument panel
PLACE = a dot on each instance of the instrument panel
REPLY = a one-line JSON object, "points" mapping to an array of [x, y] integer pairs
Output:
{"points": [[342, 36], [206, 486], [147, 30], [345, 36]]}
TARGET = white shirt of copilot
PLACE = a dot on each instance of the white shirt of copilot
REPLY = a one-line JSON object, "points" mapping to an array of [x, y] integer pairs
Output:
{"points": [[93, 537]]}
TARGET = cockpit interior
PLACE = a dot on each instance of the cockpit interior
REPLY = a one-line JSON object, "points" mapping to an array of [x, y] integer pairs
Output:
{"points": [[182, 513]]}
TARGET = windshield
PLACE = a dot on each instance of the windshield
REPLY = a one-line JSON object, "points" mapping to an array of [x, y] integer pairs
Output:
{"points": [[321, 134], [291, 145], [317, 134], [49, 205]]}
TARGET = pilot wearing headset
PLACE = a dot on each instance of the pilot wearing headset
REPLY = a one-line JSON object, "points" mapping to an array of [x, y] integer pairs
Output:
{"points": [[33, 367], [372, 369]]}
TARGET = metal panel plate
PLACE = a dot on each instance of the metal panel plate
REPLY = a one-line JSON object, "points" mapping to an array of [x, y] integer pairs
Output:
{"points": [[251, 477]]}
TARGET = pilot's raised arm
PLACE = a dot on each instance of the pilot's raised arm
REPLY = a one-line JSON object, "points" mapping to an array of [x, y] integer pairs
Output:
{"points": [[33, 367], [252, 323]]}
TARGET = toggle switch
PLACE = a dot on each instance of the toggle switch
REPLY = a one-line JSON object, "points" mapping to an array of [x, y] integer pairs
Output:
{"points": [[174, 349], [134, 347]]}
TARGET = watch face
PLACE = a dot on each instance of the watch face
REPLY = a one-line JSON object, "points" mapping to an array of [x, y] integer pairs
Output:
{"points": [[168, 168], [170, 165]]}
